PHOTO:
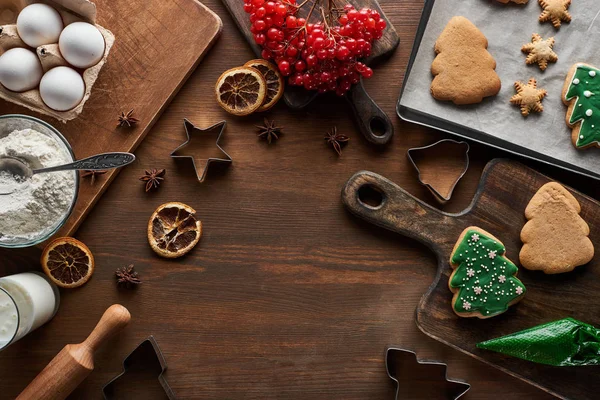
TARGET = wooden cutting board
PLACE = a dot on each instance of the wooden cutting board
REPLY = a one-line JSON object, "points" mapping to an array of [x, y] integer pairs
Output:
{"points": [[158, 45], [504, 191], [372, 122]]}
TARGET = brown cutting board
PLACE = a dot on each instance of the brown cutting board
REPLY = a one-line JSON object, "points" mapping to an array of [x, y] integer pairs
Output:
{"points": [[499, 205], [158, 45], [371, 120]]}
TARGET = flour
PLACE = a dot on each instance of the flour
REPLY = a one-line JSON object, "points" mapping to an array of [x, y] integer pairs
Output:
{"points": [[40, 203]]}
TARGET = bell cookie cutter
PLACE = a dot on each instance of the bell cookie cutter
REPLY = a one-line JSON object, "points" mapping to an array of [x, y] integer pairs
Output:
{"points": [[149, 355], [201, 165], [441, 190], [396, 358]]}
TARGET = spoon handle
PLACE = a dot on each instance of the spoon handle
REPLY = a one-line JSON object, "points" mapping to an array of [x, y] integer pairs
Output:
{"points": [[93, 163]]}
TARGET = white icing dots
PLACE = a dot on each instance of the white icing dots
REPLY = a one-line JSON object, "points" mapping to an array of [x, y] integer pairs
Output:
{"points": [[589, 112], [587, 93], [519, 290], [592, 73], [581, 136], [576, 81]]}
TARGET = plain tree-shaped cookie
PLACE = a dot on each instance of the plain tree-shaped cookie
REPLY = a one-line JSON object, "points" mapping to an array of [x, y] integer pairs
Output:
{"points": [[464, 71], [555, 239]]}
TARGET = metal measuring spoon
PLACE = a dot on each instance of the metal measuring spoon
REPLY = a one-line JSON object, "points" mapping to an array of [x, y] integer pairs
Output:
{"points": [[22, 171]]}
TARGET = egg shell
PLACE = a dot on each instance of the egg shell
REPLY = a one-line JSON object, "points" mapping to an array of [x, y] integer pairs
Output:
{"points": [[81, 44], [62, 88], [39, 24], [20, 69]]}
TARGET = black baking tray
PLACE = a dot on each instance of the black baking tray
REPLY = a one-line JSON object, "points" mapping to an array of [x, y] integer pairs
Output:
{"points": [[431, 121]]}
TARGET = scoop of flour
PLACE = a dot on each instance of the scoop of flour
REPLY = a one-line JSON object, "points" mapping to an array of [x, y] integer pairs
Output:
{"points": [[38, 205]]}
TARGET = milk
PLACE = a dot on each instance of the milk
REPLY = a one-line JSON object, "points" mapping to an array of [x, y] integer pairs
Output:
{"points": [[27, 301]]}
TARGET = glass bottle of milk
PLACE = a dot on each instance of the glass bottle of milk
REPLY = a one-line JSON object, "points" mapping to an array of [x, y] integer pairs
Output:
{"points": [[27, 301]]}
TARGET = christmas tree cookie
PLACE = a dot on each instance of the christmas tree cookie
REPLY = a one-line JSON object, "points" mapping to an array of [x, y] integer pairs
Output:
{"points": [[463, 70], [555, 238], [484, 281], [581, 93]]}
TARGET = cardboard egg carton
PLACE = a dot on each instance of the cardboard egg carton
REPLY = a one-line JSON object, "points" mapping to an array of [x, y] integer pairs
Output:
{"points": [[49, 55]]}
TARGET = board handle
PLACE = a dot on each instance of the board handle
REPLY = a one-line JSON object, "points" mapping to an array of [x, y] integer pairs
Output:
{"points": [[372, 122], [115, 318], [379, 201]]}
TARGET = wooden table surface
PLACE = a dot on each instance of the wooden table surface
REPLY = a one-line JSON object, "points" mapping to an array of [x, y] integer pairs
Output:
{"points": [[287, 295]]}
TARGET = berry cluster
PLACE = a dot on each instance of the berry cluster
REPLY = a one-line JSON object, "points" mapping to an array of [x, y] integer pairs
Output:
{"points": [[319, 56]]}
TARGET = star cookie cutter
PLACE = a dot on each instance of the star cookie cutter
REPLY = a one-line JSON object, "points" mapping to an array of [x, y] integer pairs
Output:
{"points": [[397, 358], [441, 189], [146, 355], [201, 165]]}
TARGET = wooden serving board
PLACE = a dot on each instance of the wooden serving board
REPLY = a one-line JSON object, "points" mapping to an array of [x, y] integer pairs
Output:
{"points": [[372, 121], [158, 45], [498, 207]]}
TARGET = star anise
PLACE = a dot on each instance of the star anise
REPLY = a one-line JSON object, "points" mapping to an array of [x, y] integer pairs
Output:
{"points": [[269, 131], [127, 277], [92, 175], [153, 178], [127, 119], [336, 140]]}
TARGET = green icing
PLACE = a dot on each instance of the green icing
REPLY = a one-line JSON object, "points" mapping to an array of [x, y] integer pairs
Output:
{"points": [[585, 86], [485, 278]]}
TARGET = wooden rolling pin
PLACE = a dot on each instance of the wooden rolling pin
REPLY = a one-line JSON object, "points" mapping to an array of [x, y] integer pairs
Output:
{"points": [[75, 361]]}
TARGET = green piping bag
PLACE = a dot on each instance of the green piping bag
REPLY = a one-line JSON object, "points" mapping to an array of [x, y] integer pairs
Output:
{"points": [[563, 343]]}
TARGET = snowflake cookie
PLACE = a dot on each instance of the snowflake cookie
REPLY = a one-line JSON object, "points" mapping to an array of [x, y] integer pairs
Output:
{"points": [[555, 11], [483, 285], [540, 51], [528, 97]]}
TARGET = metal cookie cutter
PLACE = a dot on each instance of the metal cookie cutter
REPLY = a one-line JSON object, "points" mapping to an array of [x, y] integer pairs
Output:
{"points": [[397, 360], [148, 356], [201, 164], [442, 191]]}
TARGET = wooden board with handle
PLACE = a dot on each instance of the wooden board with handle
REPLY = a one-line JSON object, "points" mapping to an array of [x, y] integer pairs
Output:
{"points": [[372, 121], [158, 45], [505, 189]]}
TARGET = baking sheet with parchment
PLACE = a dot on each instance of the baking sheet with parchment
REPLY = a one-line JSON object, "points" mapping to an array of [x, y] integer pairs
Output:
{"points": [[507, 27]]}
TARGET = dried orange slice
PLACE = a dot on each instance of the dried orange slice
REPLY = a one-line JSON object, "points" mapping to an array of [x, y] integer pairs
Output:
{"points": [[68, 262], [273, 79], [241, 90], [173, 229]]}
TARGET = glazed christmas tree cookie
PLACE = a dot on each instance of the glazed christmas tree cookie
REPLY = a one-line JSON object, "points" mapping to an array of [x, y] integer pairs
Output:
{"points": [[528, 97], [540, 51], [581, 93], [554, 223], [463, 70], [484, 281], [555, 11]]}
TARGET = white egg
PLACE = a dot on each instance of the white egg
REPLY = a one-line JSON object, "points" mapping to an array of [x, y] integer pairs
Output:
{"points": [[81, 44], [62, 88], [20, 70], [39, 24]]}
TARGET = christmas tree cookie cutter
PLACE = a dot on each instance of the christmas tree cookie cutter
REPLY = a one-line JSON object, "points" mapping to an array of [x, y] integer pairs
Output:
{"points": [[456, 155], [146, 355], [398, 359], [201, 164]]}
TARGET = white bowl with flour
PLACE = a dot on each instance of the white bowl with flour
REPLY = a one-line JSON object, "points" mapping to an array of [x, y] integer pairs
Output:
{"points": [[40, 206]]}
